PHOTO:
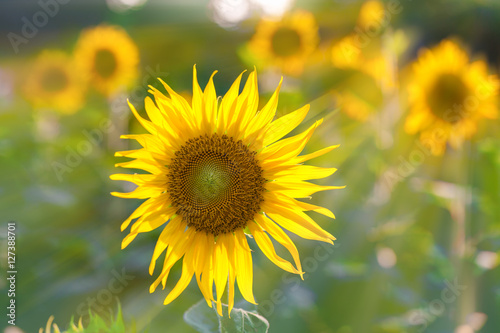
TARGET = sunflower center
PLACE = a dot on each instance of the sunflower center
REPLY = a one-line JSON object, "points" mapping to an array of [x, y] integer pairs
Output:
{"points": [[285, 42], [209, 181], [216, 184], [447, 97], [105, 63], [54, 79]]}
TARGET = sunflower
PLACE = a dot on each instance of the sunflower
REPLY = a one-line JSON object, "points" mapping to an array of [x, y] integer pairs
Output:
{"points": [[108, 57], [448, 95], [53, 83], [218, 172], [287, 43]]}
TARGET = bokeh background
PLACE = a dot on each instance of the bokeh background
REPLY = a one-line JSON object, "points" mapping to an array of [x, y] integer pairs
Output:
{"points": [[418, 233]]}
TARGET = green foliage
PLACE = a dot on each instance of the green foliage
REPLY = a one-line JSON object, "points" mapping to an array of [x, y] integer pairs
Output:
{"points": [[438, 216]]}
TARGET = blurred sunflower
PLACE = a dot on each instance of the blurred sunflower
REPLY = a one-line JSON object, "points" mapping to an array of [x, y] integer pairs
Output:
{"points": [[219, 172], [287, 43], [108, 57], [53, 83], [448, 95]]}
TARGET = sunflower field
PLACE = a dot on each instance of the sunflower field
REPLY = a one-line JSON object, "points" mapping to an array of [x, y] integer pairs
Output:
{"points": [[327, 166]]}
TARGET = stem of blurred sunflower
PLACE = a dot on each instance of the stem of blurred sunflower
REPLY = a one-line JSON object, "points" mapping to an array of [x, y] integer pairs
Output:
{"points": [[463, 243]]}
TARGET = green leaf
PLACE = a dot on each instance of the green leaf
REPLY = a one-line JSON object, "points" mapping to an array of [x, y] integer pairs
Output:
{"points": [[242, 321], [202, 318], [207, 320]]}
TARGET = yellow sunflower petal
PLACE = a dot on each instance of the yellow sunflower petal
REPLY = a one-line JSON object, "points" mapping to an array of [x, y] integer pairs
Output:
{"points": [[178, 248], [278, 197], [281, 237], [149, 204], [140, 179], [302, 172], [221, 268], [145, 156], [177, 123], [207, 277], [165, 238], [151, 167], [148, 223], [249, 102], [232, 271], [314, 208], [303, 158], [264, 117], [140, 193], [297, 222], [284, 125], [197, 102], [243, 265], [186, 276], [298, 189], [209, 106], [201, 256], [289, 147], [246, 105], [181, 105], [228, 105]]}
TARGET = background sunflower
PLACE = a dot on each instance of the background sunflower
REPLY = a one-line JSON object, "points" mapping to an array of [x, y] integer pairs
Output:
{"points": [[448, 96], [52, 83], [108, 58], [287, 43]]}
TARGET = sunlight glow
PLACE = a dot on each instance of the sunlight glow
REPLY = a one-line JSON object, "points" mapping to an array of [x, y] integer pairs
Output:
{"points": [[386, 257]]}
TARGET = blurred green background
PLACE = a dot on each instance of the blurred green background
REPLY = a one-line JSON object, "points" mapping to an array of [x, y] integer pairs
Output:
{"points": [[418, 235]]}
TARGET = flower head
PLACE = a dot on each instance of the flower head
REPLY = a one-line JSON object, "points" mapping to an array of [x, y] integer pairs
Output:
{"points": [[53, 83], [108, 57], [448, 95], [288, 43], [218, 172]]}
